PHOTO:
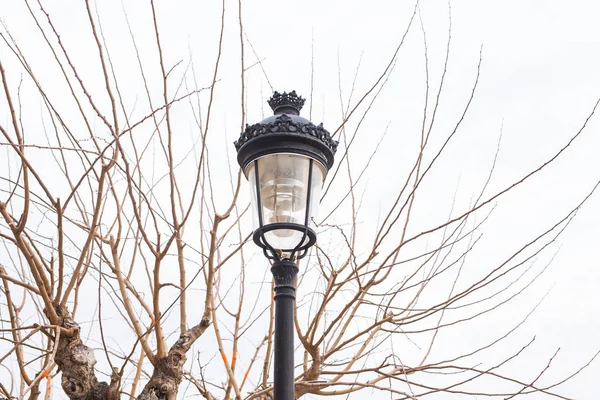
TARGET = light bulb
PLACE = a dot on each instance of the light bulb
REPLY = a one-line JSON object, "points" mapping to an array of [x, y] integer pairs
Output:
{"points": [[285, 197]]}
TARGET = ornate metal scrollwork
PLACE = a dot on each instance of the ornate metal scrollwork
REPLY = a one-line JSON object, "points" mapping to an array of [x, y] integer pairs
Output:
{"points": [[281, 100], [286, 123]]}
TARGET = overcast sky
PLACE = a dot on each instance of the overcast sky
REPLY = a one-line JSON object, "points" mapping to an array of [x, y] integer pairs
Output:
{"points": [[538, 83]]}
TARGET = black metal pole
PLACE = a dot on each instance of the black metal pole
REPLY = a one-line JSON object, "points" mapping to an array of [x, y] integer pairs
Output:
{"points": [[284, 273]]}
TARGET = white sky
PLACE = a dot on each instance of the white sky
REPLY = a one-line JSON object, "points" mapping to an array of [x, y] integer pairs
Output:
{"points": [[539, 81]]}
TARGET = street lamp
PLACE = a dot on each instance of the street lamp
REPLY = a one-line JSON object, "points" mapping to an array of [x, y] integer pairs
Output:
{"points": [[286, 158]]}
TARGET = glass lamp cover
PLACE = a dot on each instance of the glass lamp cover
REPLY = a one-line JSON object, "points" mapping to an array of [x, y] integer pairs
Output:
{"points": [[283, 188]]}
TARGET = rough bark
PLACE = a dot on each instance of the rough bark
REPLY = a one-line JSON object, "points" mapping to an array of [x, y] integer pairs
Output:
{"points": [[166, 378], [168, 371], [76, 361]]}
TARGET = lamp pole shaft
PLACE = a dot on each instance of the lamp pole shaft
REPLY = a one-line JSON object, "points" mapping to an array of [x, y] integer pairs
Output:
{"points": [[284, 274]]}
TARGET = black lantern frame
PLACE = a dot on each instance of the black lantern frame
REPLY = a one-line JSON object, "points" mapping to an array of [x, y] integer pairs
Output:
{"points": [[286, 132]]}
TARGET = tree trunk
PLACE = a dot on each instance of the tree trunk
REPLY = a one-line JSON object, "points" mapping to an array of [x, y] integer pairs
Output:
{"points": [[76, 361]]}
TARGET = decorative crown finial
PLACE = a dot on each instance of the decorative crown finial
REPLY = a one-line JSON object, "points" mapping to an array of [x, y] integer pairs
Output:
{"points": [[286, 103]]}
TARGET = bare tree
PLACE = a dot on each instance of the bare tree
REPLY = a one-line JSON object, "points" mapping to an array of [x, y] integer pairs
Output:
{"points": [[127, 268]]}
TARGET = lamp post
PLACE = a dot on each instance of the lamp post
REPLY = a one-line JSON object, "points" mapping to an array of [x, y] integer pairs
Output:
{"points": [[286, 158]]}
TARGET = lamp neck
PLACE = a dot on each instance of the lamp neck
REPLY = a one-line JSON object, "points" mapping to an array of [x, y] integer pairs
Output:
{"points": [[284, 273]]}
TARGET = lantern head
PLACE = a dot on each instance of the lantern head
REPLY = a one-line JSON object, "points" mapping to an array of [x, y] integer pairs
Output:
{"points": [[286, 158]]}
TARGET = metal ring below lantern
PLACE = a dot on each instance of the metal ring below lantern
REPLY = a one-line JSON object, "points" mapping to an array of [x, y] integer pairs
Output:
{"points": [[260, 241]]}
